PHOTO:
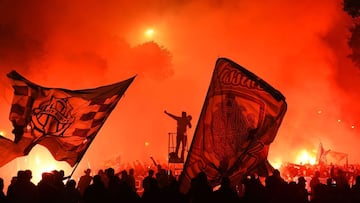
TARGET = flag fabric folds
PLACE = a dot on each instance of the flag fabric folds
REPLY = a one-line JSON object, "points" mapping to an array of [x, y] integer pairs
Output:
{"points": [[64, 121], [337, 158], [329, 156], [321, 155], [238, 122]]}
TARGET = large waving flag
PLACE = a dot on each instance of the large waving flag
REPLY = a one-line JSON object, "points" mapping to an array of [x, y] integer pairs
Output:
{"points": [[240, 118], [64, 121]]}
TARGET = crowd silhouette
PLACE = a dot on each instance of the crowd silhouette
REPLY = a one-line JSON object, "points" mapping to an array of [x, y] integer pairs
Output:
{"points": [[162, 186]]}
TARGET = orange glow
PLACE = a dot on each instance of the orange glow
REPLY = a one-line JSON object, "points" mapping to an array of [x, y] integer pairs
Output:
{"points": [[305, 59], [40, 161], [305, 157], [149, 33], [40, 166], [276, 164]]}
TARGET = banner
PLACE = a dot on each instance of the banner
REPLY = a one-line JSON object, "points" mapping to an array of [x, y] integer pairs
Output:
{"points": [[64, 121], [239, 120]]}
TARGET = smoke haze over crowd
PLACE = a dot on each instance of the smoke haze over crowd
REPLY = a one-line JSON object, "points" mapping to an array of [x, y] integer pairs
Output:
{"points": [[299, 47]]}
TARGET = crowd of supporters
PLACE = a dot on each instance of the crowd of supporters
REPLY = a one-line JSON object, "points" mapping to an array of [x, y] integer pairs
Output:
{"points": [[324, 172], [160, 185]]}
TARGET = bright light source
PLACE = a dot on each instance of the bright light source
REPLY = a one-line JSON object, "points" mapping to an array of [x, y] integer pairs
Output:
{"points": [[149, 33], [304, 157], [276, 164], [39, 165], [319, 112], [147, 144], [339, 120], [352, 126], [37, 160]]}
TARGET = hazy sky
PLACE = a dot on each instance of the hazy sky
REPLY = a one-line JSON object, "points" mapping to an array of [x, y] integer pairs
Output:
{"points": [[299, 47]]}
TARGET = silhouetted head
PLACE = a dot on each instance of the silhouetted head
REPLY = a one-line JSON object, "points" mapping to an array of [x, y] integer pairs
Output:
{"points": [[28, 174], [13, 180], [202, 177], [151, 172], [87, 171], [110, 172], [301, 179], [71, 183], [183, 114], [97, 179], [124, 174], [21, 175], [61, 173]]}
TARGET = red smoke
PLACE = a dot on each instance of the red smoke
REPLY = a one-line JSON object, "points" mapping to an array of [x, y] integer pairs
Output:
{"points": [[298, 47]]}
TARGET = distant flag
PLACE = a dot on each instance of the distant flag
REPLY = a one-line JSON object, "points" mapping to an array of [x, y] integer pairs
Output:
{"points": [[321, 155], [64, 121], [336, 158], [239, 120], [329, 156]]}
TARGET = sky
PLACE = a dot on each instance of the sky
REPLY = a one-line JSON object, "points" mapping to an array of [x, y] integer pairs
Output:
{"points": [[299, 47]]}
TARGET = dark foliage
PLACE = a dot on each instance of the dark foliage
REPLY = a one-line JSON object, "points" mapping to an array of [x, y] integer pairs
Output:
{"points": [[352, 7]]}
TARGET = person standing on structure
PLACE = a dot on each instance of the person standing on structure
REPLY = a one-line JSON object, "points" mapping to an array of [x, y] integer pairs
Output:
{"points": [[181, 137]]}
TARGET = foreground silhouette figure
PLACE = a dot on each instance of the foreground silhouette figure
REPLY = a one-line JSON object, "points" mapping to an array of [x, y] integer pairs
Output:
{"points": [[183, 122]]}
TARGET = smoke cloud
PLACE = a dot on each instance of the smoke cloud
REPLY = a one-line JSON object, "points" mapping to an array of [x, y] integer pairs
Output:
{"points": [[300, 48]]}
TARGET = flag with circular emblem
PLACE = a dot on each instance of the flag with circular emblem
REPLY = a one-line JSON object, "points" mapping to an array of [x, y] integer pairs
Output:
{"points": [[64, 121]]}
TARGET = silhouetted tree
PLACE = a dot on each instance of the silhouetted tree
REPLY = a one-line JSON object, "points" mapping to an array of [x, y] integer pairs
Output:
{"points": [[352, 7]]}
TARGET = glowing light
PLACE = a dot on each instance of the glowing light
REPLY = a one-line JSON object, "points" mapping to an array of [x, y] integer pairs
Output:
{"points": [[41, 165], [147, 144], [352, 126], [28, 127], [319, 112], [149, 33], [37, 160], [276, 164], [2, 133], [304, 157], [339, 120]]}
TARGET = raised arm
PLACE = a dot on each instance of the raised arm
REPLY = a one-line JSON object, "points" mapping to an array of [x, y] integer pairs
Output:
{"points": [[171, 115]]}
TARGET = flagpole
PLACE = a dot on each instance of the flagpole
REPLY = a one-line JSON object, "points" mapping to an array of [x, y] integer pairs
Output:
{"points": [[72, 172], [93, 136], [87, 147]]}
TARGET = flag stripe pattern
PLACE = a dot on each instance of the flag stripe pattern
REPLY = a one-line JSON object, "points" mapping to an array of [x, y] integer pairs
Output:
{"points": [[64, 121]]}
